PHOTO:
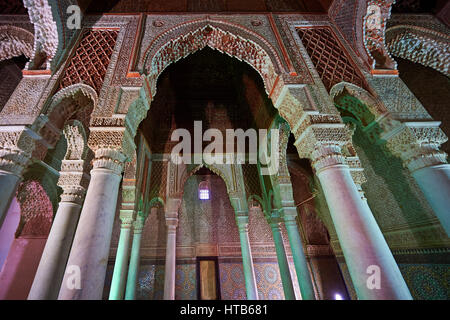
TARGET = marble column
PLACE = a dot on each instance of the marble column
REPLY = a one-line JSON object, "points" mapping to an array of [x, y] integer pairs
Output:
{"points": [[366, 252], [434, 181], [133, 269], [50, 272], [86, 268], [171, 259], [247, 260], [417, 144], [283, 263], [298, 254], [12, 165], [171, 216], [120, 266], [432, 174]]}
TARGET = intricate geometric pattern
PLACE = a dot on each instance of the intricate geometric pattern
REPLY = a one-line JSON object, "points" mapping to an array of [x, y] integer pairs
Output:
{"points": [[91, 59], [150, 282], [268, 281], [427, 281], [251, 180], [186, 282], [35, 208], [158, 179], [232, 284], [345, 19], [328, 56], [420, 45]]}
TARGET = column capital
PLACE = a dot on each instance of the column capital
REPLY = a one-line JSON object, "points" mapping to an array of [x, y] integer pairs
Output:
{"points": [[138, 224], [289, 213], [109, 158], [326, 155], [357, 173], [16, 147], [74, 181], [417, 144], [127, 218], [275, 225], [318, 130], [242, 222], [172, 224], [13, 161]]}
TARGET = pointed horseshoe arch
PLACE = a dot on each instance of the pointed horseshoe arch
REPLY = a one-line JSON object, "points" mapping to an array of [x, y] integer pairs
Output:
{"points": [[211, 33], [374, 106]]}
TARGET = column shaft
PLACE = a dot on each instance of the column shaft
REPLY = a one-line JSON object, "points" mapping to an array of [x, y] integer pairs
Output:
{"points": [[50, 272], [247, 262], [283, 263], [90, 249], [361, 240], [133, 270], [120, 266], [434, 181], [169, 276], [298, 254], [8, 187]]}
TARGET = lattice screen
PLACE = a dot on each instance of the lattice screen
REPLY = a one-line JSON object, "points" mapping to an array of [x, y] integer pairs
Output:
{"points": [[158, 179], [251, 179], [91, 59], [329, 57]]}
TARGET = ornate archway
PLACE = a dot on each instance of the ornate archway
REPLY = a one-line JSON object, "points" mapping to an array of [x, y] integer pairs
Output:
{"points": [[15, 42], [420, 45]]}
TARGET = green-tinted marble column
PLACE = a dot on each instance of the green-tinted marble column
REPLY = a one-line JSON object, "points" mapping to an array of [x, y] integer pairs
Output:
{"points": [[298, 254], [366, 252], [133, 270], [434, 181], [283, 264], [247, 260], [120, 266]]}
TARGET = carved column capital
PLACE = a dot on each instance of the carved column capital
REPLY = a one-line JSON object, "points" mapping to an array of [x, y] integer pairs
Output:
{"points": [[16, 147], [74, 181], [417, 144], [242, 223], [138, 224], [289, 214], [172, 224], [326, 155], [13, 161], [317, 133], [357, 173], [127, 218], [109, 158]]}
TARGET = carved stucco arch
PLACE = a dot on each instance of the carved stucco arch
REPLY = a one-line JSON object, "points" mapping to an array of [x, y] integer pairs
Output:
{"points": [[373, 104], [188, 172], [187, 38], [45, 32], [183, 40], [15, 42], [62, 106], [381, 122], [76, 138], [421, 45]]}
